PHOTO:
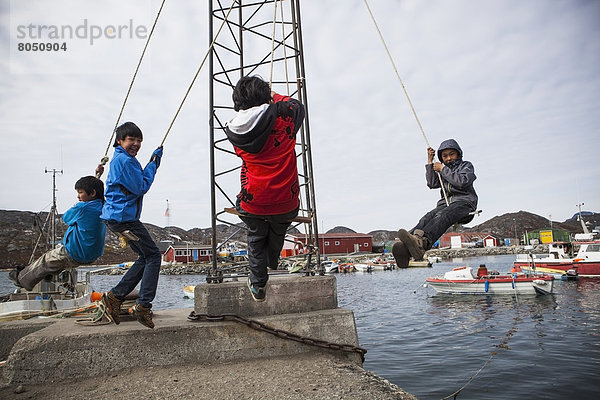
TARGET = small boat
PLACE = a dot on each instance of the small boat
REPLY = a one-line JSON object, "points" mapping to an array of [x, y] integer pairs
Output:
{"points": [[330, 266], [363, 267], [345, 267], [422, 263], [64, 293], [464, 281], [381, 265], [188, 292], [559, 260]]}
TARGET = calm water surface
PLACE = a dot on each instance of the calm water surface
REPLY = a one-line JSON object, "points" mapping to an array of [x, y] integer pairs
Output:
{"points": [[529, 347]]}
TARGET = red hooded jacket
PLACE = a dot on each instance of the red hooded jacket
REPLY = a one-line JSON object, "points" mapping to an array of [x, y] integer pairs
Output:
{"points": [[264, 137]]}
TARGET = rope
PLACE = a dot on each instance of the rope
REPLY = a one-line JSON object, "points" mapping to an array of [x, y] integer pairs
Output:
{"points": [[405, 93], [197, 73], [273, 41], [502, 345], [104, 159]]}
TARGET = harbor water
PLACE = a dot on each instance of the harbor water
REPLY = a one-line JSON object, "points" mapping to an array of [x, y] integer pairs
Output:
{"points": [[493, 347]]}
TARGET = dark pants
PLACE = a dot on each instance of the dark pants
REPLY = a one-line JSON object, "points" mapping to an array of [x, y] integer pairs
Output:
{"points": [[266, 234], [145, 269], [437, 221]]}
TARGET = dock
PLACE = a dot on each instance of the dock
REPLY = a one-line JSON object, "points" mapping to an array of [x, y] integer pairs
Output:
{"points": [[221, 357]]}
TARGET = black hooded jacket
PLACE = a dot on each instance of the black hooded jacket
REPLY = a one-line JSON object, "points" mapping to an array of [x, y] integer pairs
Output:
{"points": [[458, 177]]}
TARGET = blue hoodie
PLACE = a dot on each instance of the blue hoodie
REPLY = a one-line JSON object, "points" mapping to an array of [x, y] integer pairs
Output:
{"points": [[84, 239], [458, 177], [126, 185]]}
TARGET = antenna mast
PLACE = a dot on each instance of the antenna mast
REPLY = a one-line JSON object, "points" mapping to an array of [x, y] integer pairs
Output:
{"points": [[53, 211]]}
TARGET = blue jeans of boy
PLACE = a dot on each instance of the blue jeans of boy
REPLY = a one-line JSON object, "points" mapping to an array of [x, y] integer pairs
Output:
{"points": [[266, 234], [145, 269], [437, 221]]}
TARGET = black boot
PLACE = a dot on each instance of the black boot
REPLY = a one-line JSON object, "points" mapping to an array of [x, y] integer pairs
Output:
{"points": [[401, 254]]}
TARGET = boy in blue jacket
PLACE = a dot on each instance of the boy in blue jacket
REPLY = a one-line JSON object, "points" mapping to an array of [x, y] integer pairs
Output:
{"points": [[458, 176], [126, 184], [83, 242]]}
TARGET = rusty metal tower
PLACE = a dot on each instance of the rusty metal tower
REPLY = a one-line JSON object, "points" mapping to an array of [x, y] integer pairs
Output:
{"points": [[255, 38]]}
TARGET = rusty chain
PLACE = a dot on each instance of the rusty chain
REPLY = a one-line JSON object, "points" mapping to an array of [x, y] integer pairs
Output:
{"points": [[259, 326]]}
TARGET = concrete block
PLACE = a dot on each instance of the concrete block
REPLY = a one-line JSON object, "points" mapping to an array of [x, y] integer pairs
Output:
{"points": [[11, 332], [67, 350], [286, 294]]}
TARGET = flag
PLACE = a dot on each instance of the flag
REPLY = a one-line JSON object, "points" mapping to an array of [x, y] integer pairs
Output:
{"points": [[167, 212]]}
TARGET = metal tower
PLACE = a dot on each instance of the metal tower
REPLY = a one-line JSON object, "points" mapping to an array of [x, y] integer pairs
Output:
{"points": [[255, 38]]}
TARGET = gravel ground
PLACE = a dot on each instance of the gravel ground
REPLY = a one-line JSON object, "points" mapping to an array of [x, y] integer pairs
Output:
{"points": [[312, 376]]}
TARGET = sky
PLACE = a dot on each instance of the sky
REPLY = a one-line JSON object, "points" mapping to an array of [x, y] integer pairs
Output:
{"points": [[516, 83]]}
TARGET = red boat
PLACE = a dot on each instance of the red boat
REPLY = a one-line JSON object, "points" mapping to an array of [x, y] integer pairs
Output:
{"points": [[586, 262]]}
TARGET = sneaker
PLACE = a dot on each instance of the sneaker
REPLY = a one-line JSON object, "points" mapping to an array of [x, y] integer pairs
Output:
{"points": [[143, 315], [113, 306], [413, 243], [401, 254], [258, 293], [13, 275]]}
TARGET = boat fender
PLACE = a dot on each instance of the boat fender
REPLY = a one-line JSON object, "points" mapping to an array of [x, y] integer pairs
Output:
{"points": [[487, 285], [95, 296]]}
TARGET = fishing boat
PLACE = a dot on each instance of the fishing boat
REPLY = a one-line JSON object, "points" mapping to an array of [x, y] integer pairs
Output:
{"points": [[330, 266], [561, 261], [464, 281], [381, 265], [61, 292], [64, 293], [345, 267], [363, 267]]}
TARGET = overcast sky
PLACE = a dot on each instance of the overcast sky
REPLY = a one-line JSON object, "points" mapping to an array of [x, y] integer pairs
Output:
{"points": [[516, 83]]}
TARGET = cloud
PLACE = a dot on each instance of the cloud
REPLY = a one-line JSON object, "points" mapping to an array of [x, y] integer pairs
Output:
{"points": [[516, 83]]}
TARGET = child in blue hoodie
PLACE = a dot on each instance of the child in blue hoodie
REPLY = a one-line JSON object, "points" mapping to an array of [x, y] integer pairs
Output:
{"points": [[126, 184], [457, 176], [83, 242]]}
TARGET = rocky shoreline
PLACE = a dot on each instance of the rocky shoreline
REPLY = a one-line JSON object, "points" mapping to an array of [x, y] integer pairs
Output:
{"points": [[444, 254]]}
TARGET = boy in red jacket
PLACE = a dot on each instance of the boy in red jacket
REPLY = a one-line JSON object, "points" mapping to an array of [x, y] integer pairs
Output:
{"points": [[263, 134]]}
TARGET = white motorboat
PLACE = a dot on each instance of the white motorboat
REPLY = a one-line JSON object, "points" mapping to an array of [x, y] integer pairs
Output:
{"points": [[330, 266], [463, 281]]}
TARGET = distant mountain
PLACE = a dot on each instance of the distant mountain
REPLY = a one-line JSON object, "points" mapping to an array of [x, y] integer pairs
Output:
{"points": [[505, 225], [340, 229], [19, 231]]}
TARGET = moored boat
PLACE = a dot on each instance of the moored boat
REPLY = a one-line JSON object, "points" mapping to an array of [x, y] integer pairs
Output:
{"points": [[463, 281], [63, 294], [345, 267], [586, 262], [330, 266], [363, 267]]}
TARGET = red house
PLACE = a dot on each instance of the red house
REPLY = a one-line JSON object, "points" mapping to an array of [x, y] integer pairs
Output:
{"points": [[340, 243], [188, 252]]}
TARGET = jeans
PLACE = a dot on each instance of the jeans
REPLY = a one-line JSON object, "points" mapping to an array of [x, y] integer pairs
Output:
{"points": [[51, 262], [145, 269], [266, 234], [437, 221]]}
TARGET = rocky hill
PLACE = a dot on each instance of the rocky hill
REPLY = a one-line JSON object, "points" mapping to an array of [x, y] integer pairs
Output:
{"points": [[19, 231]]}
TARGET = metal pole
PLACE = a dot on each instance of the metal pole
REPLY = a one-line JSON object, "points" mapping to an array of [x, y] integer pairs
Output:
{"points": [[211, 129]]}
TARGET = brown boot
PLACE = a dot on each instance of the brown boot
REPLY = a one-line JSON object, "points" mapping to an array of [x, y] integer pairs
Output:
{"points": [[113, 306], [143, 315], [401, 254], [414, 243]]}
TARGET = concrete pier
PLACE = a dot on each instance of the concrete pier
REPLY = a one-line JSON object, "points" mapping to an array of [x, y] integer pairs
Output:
{"points": [[59, 350]]}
